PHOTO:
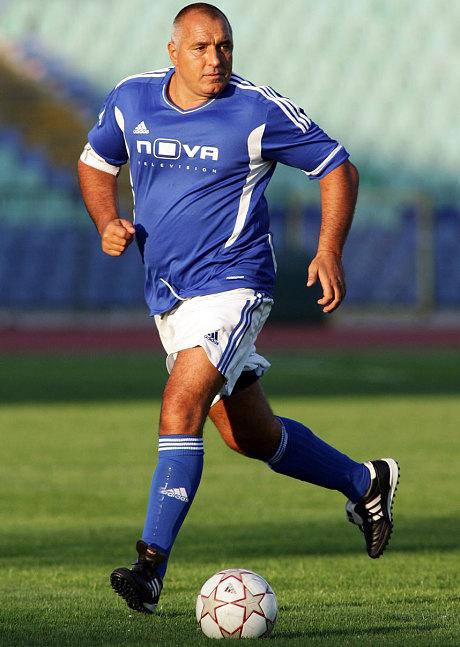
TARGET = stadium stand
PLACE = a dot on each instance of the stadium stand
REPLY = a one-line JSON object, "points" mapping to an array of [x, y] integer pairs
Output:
{"points": [[379, 58], [398, 140], [50, 254], [447, 237], [65, 249]]}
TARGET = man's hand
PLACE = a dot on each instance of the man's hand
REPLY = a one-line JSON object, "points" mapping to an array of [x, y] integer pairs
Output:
{"points": [[327, 267], [339, 190], [117, 236]]}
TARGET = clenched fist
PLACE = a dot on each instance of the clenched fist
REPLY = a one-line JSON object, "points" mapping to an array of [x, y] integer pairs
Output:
{"points": [[117, 236]]}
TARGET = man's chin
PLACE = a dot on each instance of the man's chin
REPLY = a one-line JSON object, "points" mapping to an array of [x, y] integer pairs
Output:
{"points": [[214, 87]]}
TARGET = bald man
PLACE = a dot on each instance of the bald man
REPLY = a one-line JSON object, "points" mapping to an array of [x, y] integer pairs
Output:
{"points": [[202, 144]]}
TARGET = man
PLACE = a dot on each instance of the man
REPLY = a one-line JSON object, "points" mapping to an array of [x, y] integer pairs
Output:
{"points": [[202, 145]]}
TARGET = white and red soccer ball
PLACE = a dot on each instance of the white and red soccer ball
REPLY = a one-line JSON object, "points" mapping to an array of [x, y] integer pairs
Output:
{"points": [[236, 603]]}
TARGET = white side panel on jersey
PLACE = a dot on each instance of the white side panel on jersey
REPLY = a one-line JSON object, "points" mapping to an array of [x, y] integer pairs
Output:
{"points": [[120, 120], [121, 125], [258, 167], [91, 158]]}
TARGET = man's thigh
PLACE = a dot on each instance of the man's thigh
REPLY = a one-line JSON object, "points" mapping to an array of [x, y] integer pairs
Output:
{"points": [[246, 422], [188, 393], [225, 325]]}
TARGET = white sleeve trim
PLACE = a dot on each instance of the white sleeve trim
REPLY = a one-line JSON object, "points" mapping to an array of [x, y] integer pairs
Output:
{"points": [[318, 169], [91, 158]]}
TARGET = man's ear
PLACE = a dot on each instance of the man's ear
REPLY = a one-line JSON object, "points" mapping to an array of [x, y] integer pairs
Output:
{"points": [[172, 49]]}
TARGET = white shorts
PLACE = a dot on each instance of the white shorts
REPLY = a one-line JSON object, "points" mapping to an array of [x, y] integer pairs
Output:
{"points": [[225, 325]]}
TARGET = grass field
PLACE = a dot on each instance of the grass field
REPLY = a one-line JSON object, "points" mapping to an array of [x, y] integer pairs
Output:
{"points": [[78, 446]]}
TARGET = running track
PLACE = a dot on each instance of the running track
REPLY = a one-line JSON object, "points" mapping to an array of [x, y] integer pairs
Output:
{"points": [[273, 337]]}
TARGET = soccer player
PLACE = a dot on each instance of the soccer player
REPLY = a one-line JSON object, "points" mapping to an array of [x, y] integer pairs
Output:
{"points": [[202, 144]]}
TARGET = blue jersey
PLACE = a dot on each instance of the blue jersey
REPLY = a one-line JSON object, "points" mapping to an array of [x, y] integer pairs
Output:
{"points": [[199, 176]]}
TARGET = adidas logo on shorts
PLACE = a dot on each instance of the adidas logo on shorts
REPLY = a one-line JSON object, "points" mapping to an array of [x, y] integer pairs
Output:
{"points": [[213, 337]]}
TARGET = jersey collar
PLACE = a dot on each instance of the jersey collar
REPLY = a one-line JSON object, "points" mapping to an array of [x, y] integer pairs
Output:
{"points": [[170, 104]]}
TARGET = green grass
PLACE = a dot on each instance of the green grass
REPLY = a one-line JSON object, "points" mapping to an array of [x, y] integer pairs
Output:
{"points": [[78, 446]]}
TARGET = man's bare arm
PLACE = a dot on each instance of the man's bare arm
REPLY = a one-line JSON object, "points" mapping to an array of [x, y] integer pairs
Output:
{"points": [[99, 191], [339, 191]]}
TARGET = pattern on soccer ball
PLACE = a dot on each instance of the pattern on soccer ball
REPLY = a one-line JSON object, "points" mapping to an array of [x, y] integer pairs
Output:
{"points": [[236, 603]]}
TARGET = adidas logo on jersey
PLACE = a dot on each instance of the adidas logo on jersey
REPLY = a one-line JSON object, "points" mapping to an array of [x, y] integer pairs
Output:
{"points": [[175, 493], [141, 129], [213, 337]]}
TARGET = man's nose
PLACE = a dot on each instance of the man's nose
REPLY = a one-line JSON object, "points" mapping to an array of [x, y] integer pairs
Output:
{"points": [[213, 56]]}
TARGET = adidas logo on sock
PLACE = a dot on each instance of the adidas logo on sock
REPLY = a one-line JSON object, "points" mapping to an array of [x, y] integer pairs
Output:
{"points": [[175, 493], [141, 129], [213, 337]]}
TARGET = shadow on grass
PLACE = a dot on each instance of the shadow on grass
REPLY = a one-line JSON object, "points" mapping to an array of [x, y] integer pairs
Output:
{"points": [[360, 634], [135, 377], [98, 625], [152, 631], [214, 543], [76, 606]]}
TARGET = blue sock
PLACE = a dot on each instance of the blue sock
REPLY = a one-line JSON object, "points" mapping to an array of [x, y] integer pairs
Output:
{"points": [[174, 484], [306, 457]]}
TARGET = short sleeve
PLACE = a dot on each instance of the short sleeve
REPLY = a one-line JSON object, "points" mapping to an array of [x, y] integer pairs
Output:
{"points": [[106, 137], [291, 138]]}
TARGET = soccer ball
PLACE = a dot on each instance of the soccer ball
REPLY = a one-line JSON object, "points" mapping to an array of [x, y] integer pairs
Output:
{"points": [[236, 603]]}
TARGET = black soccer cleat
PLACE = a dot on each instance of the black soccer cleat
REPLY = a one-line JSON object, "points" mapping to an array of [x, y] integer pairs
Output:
{"points": [[140, 586], [373, 512]]}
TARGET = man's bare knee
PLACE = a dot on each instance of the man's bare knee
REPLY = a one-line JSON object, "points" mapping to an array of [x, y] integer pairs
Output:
{"points": [[247, 424], [188, 393], [182, 412]]}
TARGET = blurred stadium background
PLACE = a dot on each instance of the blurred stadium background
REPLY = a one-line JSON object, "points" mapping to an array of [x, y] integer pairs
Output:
{"points": [[76, 428], [380, 76]]}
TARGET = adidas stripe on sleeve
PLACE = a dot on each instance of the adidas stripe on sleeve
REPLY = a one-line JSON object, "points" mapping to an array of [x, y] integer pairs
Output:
{"points": [[291, 138]]}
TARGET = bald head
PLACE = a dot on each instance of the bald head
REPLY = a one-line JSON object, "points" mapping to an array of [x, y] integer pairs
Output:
{"points": [[201, 52], [203, 8]]}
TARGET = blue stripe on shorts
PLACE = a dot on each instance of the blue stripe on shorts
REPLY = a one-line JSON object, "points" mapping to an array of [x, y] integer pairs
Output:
{"points": [[237, 335]]}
